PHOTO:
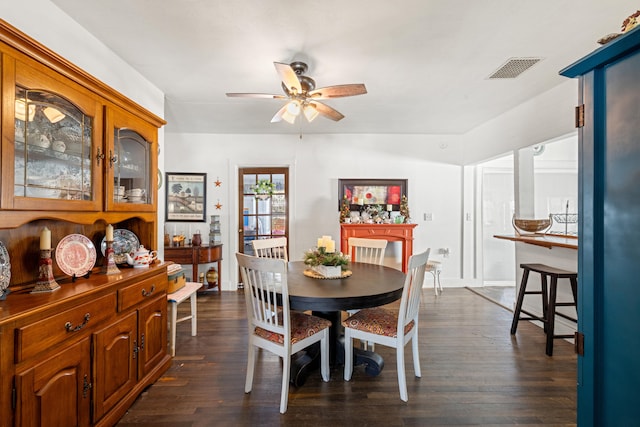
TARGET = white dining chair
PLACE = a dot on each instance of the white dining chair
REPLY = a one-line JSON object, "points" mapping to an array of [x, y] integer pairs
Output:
{"points": [[272, 325], [370, 251], [386, 327], [271, 248], [435, 268]]}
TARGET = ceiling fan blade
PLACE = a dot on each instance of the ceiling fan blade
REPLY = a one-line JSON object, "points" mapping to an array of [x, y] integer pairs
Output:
{"points": [[288, 77], [284, 114], [255, 95], [338, 91], [327, 111]]}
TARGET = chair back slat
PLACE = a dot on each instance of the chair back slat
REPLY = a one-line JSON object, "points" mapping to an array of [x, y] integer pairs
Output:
{"points": [[267, 294], [271, 248], [410, 303], [370, 251]]}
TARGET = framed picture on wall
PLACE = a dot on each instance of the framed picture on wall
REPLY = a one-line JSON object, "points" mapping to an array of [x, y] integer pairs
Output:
{"points": [[362, 192], [186, 196]]}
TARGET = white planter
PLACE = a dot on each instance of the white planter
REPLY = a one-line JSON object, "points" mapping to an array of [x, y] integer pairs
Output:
{"points": [[328, 271]]}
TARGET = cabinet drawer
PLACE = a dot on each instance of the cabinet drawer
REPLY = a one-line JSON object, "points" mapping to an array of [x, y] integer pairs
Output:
{"points": [[46, 333], [133, 295], [182, 255]]}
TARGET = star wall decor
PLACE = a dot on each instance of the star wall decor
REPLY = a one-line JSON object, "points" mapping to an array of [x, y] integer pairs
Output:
{"points": [[218, 205], [218, 183]]}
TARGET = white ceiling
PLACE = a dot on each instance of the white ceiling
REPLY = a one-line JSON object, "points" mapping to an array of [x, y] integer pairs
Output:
{"points": [[425, 63]]}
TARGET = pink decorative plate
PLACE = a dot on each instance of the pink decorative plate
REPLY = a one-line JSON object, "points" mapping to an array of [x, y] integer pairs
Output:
{"points": [[75, 255]]}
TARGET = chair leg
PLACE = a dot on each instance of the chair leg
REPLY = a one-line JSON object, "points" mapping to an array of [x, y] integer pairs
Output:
{"points": [[416, 355], [173, 306], [521, 293], [348, 355], [284, 397], [251, 366], [402, 379], [439, 284], [435, 286], [324, 356], [551, 314], [194, 315]]}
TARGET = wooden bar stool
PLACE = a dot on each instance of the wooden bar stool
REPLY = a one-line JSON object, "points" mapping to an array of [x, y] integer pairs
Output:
{"points": [[549, 302], [189, 290]]}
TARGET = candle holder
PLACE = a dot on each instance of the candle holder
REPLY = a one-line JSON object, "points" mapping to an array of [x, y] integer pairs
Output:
{"points": [[46, 281], [110, 266]]}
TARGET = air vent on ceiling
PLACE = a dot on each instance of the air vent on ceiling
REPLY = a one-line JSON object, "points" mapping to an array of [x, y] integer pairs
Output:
{"points": [[513, 68]]}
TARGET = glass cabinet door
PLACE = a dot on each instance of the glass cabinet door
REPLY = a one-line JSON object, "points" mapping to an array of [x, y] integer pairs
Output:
{"points": [[56, 137], [130, 167], [132, 162], [52, 148]]}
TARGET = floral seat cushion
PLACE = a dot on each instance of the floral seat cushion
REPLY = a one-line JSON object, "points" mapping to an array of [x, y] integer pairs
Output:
{"points": [[377, 320], [302, 326]]}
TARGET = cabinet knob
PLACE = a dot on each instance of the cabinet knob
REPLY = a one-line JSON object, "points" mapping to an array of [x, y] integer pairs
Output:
{"points": [[113, 159], [99, 156]]}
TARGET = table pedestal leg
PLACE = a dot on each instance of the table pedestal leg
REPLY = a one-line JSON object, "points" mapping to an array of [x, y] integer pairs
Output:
{"points": [[308, 360]]}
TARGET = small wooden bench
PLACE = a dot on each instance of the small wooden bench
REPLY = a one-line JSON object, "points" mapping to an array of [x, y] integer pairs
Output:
{"points": [[189, 290]]}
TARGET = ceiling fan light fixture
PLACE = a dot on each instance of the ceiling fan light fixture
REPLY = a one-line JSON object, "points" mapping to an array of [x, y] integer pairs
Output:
{"points": [[293, 108], [288, 117], [22, 112], [53, 114], [310, 112]]}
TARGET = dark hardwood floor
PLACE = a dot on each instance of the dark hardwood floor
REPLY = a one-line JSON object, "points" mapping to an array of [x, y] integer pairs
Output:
{"points": [[473, 373]]}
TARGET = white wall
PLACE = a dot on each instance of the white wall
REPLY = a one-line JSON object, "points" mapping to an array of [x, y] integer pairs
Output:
{"points": [[316, 163]]}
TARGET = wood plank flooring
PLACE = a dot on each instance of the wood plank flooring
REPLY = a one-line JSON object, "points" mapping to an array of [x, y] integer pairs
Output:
{"points": [[473, 373]]}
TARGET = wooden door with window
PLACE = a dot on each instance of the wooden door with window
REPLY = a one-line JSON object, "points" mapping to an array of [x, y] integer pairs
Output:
{"points": [[262, 215]]}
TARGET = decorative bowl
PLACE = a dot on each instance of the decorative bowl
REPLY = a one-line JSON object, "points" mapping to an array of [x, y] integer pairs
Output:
{"points": [[524, 226]]}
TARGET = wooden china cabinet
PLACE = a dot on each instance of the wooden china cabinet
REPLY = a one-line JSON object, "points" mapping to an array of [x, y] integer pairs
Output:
{"points": [[75, 156]]}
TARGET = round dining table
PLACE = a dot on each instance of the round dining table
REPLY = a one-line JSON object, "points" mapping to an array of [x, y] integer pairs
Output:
{"points": [[368, 285]]}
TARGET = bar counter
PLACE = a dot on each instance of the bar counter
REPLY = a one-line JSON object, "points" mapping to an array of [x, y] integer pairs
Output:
{"points": [[545, 240]]}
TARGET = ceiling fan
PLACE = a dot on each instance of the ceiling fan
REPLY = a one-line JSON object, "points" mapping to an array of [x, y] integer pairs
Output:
{"points": [[302, 95]]}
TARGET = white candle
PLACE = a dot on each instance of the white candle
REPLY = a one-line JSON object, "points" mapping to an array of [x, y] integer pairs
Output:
{"points": [[109, 237], [175, 230], [360, 201], [45, 239], [389, 208], [320, 242], [331, 246]]}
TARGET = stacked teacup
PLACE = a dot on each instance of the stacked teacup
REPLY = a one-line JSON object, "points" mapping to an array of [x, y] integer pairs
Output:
{"points": [[118, 194], [135, 195]]}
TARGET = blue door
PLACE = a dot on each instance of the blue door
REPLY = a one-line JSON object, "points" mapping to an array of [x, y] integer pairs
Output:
{"points": [[609, 248]]}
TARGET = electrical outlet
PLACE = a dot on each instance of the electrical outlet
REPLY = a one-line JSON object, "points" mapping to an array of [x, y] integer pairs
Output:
{"points": [[428, 216]]}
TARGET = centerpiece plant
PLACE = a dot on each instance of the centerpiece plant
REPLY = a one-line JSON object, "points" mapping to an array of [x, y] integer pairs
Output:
{"points": [[320, 257]]}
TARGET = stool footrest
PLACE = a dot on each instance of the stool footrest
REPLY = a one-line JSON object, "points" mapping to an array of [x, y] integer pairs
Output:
{"points": [[566, 316]]}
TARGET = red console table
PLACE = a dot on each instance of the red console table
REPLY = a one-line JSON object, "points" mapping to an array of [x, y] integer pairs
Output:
{"points": [[391, 232]]}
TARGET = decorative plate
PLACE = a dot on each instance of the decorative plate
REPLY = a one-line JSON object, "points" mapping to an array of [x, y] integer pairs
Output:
{"points": [[310, 273], [5, 271], [75, 255], [124, 242]]}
